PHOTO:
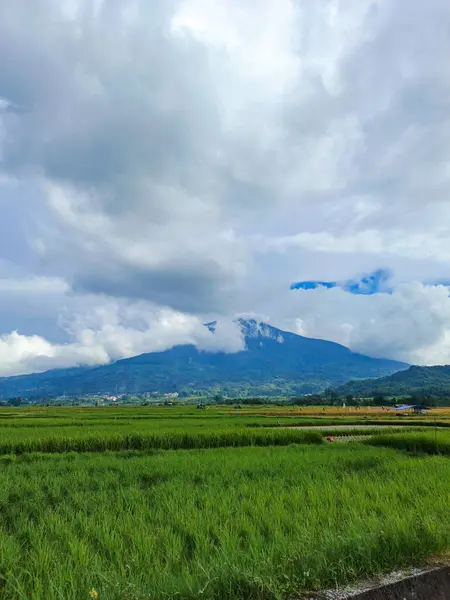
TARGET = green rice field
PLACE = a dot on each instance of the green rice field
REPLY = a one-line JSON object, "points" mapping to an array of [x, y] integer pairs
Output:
{"points": [[162, 503]]}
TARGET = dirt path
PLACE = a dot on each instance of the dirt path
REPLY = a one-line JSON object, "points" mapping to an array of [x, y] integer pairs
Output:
{"points": [[345, 439], [347, 427]]}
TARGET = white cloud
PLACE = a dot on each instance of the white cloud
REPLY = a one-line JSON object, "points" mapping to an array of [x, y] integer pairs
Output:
{"points": [[33, 285], [113, 331], [371, 241], [410, 324]]}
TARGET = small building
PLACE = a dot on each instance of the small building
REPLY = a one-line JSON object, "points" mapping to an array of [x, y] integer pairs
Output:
{"points": [[403, 409]]}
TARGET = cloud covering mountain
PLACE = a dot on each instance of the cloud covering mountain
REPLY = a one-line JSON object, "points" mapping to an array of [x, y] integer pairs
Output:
{"points": [[171, 162], [270, 362]]}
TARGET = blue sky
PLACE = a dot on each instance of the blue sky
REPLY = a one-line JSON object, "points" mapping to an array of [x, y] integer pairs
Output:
{"points": [[365, 284], [379, 281], [164, 164]]}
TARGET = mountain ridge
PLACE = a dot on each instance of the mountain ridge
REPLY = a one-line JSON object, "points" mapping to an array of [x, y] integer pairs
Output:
{"points": [[414, 381], [274, 362]]}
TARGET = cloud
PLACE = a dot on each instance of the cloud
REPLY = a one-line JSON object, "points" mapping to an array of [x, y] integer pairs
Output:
{"points": [[198, 159], [33, 285], [113, 331], [411, 324]]}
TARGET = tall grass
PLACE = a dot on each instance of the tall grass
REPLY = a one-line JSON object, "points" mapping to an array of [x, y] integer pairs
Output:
{"points": [[222, 524], [119, 428], [101, 440], [427, 443]]}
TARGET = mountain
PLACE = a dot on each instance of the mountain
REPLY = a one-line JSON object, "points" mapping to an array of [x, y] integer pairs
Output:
{"points": [[432, 381], [274, 362]]}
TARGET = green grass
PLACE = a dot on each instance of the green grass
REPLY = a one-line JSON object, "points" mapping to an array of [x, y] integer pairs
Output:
{"points": [[98, 430], [169, 434], [427, 443], [103, 439], [176, 503], [253, 523], [59, 430]]}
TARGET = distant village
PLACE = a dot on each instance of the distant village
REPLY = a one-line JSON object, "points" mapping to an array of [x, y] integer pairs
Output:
{"points": [[97, 399]]}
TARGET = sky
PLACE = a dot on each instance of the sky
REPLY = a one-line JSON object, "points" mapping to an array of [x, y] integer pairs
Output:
{"points": [[167, 163]]}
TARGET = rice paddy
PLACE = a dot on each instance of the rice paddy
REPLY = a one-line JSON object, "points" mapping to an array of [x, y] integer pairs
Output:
{"points": [[166, 503]]}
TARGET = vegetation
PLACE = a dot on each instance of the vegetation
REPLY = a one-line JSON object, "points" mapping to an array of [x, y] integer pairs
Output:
{"points": [[100, 440], [174, 502], [254, 523], [274, 363], [427, 443], [426, 384]]}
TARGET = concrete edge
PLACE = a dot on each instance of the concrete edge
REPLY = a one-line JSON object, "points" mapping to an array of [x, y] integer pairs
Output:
{"points": [[431, 583]]}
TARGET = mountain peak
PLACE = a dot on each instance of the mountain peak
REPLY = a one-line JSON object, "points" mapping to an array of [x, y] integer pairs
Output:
{"points": [[252, 328], [274, 362]]}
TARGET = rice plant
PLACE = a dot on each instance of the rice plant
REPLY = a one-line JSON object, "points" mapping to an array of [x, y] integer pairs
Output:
{"points": [[227, 523]]}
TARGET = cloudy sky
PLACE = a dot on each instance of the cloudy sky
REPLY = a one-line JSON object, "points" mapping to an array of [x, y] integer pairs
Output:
{"points": [[164, 163]]}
